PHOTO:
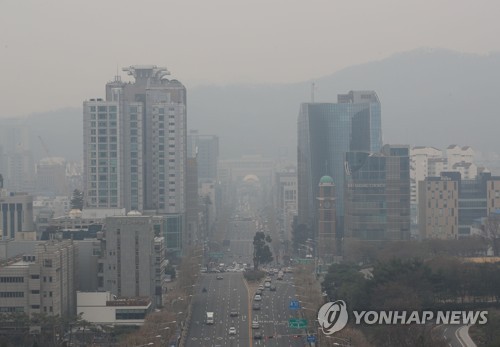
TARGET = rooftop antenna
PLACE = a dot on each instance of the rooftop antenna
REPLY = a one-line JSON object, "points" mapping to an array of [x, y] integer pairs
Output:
{"points": [[313, 85], [117, 76]]}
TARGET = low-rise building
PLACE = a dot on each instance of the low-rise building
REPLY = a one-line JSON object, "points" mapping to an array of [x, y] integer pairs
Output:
{"points": [[41, 283], [450, 206], [106, 308], [16, 213]]}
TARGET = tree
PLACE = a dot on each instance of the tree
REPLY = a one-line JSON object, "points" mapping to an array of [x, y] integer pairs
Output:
{"points": [[261, 252], [492, 232], [346, 282], [77, 200], [170, 270]]}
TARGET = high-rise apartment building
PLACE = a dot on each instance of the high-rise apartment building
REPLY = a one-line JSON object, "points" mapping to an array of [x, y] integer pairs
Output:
{"points": [[326, 131], [377, 194], [135, 144]]}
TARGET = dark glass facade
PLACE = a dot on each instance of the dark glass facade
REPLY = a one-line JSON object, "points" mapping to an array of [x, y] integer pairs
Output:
{"points": [[377, 194], [472, 204], [326, 131]]}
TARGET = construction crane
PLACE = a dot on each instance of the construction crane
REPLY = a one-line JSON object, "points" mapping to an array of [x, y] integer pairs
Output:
{"points": [[44, 146]]}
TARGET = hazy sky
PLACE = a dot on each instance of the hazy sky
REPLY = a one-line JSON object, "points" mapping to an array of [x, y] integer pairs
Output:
{"points": [[55, 54]]}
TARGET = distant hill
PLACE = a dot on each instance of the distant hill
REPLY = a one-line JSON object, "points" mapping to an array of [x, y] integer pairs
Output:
{"points": [[429, 97]]}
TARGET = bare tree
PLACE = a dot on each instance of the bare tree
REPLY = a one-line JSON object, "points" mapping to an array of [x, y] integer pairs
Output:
{"points": [[492, 231]]}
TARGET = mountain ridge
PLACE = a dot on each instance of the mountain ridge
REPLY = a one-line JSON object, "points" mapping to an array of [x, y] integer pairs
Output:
{"points": [[429, 96]]}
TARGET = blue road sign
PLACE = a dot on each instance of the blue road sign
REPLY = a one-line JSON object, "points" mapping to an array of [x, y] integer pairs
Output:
{"points": [[311, 338], [294, 305]]}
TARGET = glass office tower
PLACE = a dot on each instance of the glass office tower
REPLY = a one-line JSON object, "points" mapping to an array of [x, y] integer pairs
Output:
{"points": [[326, 131], [377, 194]]}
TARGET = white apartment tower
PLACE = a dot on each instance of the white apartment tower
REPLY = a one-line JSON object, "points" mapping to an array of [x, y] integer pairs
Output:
{"points": [[135, 144]]}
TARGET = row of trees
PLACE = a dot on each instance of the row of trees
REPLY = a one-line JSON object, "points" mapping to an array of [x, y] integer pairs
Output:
{"points": [[19, 329], [372, 252], [411, 284], [414, 285]]}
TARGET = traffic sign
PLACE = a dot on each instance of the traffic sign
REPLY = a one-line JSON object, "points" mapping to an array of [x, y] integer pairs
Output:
{"points": [[311, 338], [297, 323], [294, 305]]}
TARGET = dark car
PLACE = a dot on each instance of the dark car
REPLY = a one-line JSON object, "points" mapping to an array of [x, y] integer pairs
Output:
{"points": [[256, 307], [257, 335], [233, 313], [220, 277], [273, 288], [259, 291]]}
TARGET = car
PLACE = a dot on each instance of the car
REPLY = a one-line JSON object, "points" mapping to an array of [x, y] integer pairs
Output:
{"points": [[259, 291], [256, 306], [268, 279], [267, 284], [257, 335], [220, 277], [232, 331], [255, 325], [257, 297], [261, 287], [233, 313], [272, 289]]}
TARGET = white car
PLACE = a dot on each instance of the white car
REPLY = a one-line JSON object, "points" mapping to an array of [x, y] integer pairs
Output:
{"points": [[257, 298], [232, 331]]}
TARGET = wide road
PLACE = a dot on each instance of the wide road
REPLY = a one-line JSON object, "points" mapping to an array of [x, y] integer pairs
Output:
{"points": [[225, 295], [222, 297], [275, 313], [231, 293]]}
